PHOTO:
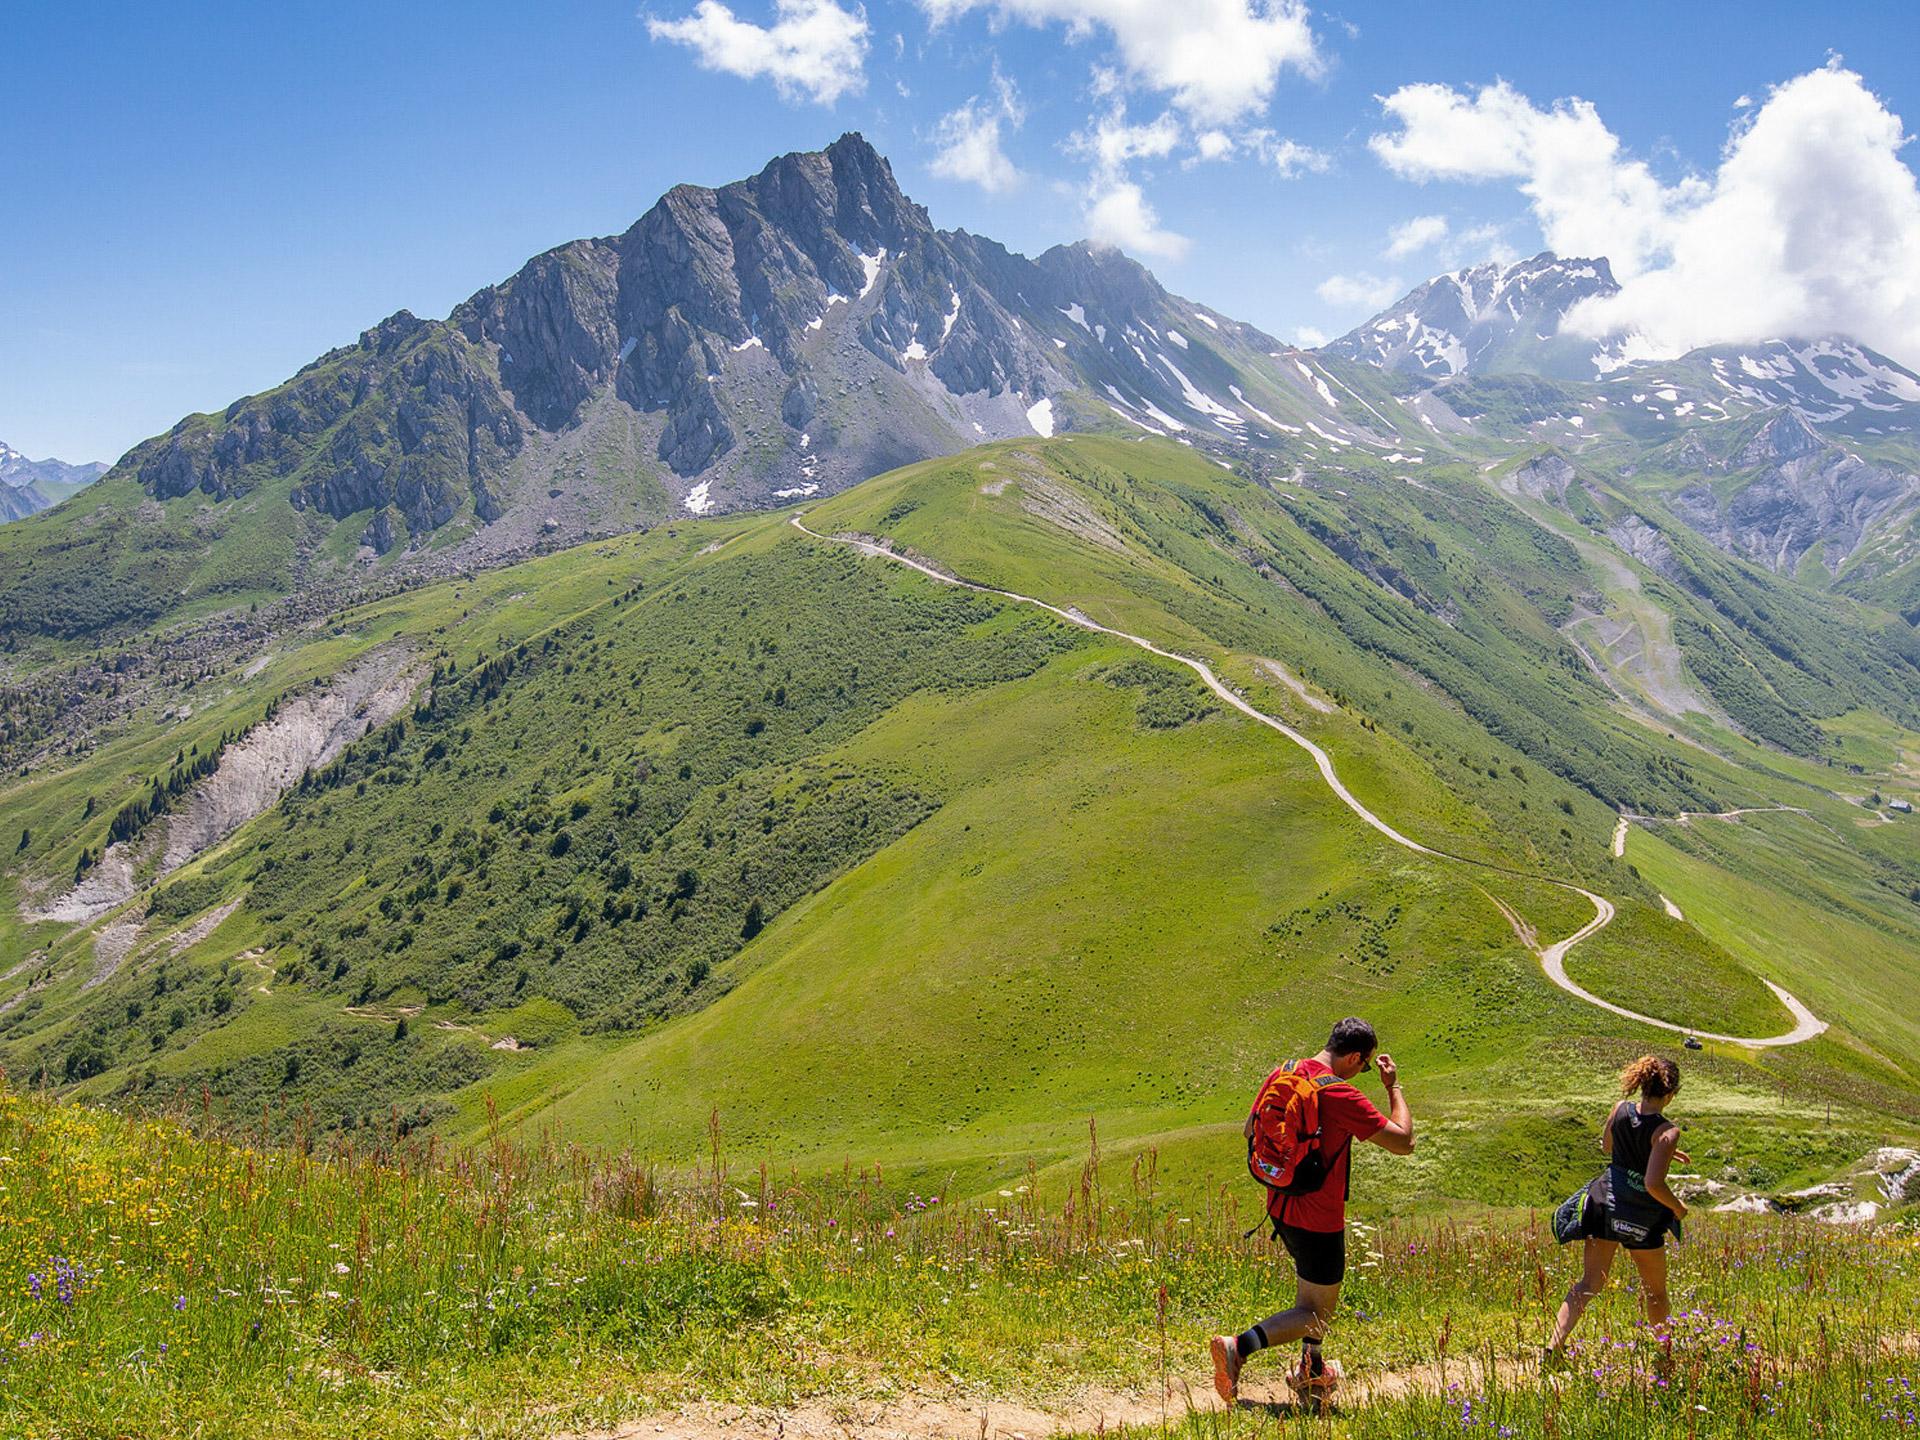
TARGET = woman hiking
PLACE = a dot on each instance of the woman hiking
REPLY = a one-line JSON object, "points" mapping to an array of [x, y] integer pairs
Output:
{"points": [[1629, 1203]]}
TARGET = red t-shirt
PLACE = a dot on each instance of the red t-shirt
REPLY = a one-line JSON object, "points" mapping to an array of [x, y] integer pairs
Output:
{"points": [[1346, 1118]]}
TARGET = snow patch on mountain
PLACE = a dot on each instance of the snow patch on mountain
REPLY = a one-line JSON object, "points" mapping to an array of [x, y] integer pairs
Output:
{"points": [[1467, 320]]}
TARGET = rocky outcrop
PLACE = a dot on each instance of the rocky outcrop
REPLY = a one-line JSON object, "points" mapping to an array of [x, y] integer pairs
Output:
{"points": [[1644, 543], [709, 313], [1785, 437], [1804, 494], [411, 419], [1545, 477]]}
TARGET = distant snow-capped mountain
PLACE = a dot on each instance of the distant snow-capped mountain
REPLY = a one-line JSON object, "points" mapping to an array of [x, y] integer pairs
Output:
{"points": [[27, 486], [1502, 320], [1826, 380], [1489, 318]]}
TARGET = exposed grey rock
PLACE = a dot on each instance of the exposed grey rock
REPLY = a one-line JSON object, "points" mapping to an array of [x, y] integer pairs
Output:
{"points": [[412, 417], [1785, 437], [1644, 543], [1545, 477], [1805, 494], [814, 291]]}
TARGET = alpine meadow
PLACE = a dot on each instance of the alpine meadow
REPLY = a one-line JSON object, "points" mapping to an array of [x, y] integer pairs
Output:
{"points": [[719, 843]]}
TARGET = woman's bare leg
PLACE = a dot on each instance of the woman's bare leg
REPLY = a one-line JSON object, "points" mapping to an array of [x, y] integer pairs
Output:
{"points": [[1652, 1265], [1596, 1261]]}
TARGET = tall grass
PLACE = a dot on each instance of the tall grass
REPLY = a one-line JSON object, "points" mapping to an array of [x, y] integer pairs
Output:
{"points": [[159, 1280]]}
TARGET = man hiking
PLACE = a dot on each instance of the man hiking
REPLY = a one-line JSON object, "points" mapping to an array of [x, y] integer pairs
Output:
{"points": [[1299, 1141]]}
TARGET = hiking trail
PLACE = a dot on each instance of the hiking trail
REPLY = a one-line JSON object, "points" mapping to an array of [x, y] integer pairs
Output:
{"points": [[1552, 958]]}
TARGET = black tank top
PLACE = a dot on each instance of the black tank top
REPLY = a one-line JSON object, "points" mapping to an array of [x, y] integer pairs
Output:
{"points": [[1633, 1137]]}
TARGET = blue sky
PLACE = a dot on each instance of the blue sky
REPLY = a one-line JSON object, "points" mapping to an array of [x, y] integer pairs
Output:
{"points": [[201, 197]]}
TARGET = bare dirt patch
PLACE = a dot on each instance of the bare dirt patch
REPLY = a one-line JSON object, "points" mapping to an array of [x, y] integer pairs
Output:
{"points": [[308, 731], [184, 940]]}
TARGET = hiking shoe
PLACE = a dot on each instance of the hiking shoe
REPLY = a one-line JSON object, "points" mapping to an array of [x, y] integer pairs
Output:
{"points": [[1226, 1367], [1316, 1387]]}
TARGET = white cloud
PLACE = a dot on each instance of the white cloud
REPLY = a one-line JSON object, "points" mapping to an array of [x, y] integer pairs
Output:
{"points": [[970, 142], [1374, 292], [1291, 158], [1588, 198], [1422, 232], [814, 48], [1118, 214], [1482, 242], [1310, 337], [1113, 141], [1213, 145], [1218, 59], [1809, 226]]}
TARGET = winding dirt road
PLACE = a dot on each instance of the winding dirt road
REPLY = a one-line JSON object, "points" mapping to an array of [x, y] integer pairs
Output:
{"points": [[1552, 957]]}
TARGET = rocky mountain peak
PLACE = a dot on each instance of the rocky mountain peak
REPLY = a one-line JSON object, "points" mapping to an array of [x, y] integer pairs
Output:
{"points": [[1485, 318], [1102, 277]]}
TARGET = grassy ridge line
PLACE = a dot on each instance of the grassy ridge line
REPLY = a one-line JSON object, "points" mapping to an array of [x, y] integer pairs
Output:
{"points": [[1552, 957]]}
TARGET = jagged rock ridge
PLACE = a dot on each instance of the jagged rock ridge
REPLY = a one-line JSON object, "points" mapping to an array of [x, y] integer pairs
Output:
{"points": [[784, 335]]}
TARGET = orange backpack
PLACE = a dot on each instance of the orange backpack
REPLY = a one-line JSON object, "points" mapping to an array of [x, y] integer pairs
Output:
{"points": [[1283, 1151]]}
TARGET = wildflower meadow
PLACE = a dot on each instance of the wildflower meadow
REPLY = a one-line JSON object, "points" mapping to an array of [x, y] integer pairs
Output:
{"points": [[162, 1276]]}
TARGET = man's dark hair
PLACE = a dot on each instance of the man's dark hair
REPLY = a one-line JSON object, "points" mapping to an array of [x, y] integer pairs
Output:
{"points": [[1352, 1036]]}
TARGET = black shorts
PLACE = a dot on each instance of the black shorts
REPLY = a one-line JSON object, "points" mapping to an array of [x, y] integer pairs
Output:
{"points": [[1319, 1256], [1631, 1230]]}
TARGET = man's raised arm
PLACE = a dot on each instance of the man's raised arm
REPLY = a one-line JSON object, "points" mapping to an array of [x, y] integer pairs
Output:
{"points": [[1396, 1137]]}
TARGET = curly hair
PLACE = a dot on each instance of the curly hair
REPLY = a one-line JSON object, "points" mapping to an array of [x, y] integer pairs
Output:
{"points": [[1654, 1076]]}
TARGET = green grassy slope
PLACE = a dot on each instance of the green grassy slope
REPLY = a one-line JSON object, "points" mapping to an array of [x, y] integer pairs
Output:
{"points": [[727, 817]]}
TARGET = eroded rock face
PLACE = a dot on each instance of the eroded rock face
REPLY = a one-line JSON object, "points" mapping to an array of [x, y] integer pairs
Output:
{"points": [[305, 733], [1545, 477], [1897, 1170], [1646, 544], [1807, 494], [1785, 437], [708, 315]]}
